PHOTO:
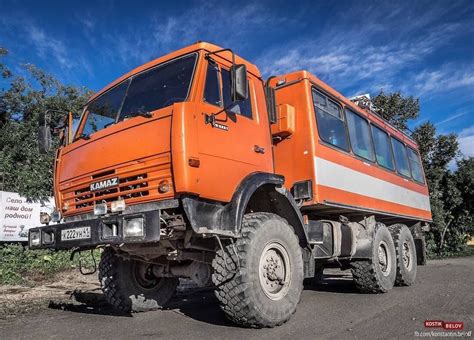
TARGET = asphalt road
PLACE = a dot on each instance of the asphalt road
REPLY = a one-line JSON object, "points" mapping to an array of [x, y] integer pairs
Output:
{"points": [[444, 291]]}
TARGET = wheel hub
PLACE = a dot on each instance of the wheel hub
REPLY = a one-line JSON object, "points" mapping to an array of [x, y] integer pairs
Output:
{"points": [[384, 258], [275, 271], [143, 275], [406, 255]]}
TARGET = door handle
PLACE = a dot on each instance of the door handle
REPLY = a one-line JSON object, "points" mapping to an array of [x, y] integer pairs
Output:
{"points": [[259, 149]]}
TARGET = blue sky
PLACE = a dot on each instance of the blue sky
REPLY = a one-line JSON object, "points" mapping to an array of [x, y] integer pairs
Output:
{"points": [[423, 48]]}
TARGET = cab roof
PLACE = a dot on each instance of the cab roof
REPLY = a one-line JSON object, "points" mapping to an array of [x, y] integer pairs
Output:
{"points": [[200, 45]]}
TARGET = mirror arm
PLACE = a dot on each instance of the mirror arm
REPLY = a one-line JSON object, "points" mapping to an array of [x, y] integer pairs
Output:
{"points": [[223, 50], [211, 118]]}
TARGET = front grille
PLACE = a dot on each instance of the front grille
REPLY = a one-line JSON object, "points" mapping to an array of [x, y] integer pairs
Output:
{"points": [[133, 185], [129, 187], [138, 182]]}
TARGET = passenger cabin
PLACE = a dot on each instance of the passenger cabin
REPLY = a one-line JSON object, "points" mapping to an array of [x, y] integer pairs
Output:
{"points": [[340, 159]]}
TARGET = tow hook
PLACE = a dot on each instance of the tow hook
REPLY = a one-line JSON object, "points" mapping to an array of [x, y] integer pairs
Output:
{"points": [[82, 269]]}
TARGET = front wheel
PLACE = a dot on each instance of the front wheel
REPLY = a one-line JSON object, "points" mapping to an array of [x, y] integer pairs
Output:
{"points": [[130, 285], [259, 279]]}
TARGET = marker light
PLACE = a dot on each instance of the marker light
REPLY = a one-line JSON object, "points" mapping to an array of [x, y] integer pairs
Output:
{"points": [[100, 209], [45, 218], [118, 205], [163, 187], [55, 216]]}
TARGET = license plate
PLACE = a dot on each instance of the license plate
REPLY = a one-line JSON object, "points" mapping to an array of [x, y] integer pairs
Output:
{"points": [[76, 234]]}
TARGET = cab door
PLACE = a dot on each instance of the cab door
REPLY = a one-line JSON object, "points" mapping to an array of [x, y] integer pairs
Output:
{"points": [[230, 150]]}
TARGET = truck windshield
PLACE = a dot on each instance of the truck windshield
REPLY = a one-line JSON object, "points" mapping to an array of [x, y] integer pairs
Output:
{"points": [[147, 91]]}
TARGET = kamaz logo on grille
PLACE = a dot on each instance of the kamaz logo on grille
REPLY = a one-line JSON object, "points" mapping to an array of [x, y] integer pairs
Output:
{"points": [[105, 184]]}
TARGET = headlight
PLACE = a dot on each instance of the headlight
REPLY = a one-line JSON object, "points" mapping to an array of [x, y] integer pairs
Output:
{"points": [[133, 227], [48, 237], [100, 209], [34, 238]]}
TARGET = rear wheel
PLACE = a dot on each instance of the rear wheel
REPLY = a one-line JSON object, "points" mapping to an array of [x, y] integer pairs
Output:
{"points": [[261, 286], [130, 285], [406, 254], [378, 274]]}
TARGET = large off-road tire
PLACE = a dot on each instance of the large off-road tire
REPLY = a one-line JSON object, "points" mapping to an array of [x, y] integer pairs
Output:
{"points": [[406, 254], [377, 275], [262, 286], [129, 285]]}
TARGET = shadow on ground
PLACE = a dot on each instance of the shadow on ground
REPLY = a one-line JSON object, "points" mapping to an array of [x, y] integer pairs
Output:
{"points": [[86, 302], [340, 282], [196, 303]]}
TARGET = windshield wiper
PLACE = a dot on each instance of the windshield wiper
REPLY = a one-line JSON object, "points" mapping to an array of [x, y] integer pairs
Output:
{"points": [[83, 136], [145, 114], [108, 124]]}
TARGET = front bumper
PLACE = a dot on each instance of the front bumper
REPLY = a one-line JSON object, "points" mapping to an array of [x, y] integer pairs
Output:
{"points": [[104, 230]]}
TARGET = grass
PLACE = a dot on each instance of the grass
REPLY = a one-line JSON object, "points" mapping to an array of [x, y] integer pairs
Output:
{"points": [[468, 251], [19, 265]]}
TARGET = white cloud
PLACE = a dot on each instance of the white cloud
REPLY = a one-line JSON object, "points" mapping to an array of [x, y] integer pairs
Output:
{"points": [[230, 26], [49, 47], [466, 141], [447, 78], [347, 56], [451, 118]]}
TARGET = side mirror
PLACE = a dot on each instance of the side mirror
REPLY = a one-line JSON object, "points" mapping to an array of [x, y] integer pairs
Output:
{"points": [[240, 83], [44, 134]]}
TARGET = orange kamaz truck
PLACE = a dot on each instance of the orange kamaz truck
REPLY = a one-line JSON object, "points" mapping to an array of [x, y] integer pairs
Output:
{"points": [[193, 166]]}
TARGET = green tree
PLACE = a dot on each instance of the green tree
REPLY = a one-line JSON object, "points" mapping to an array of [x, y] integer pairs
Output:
{"points": [[24, 169], [464, 179], [396, 108], [451, 192]]}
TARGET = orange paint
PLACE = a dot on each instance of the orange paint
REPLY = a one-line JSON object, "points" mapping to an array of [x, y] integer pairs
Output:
{"points": [[178, 145]]}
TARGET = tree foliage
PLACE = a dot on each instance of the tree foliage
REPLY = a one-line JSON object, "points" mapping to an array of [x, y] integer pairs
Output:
{"points": [[451, 191], [26, 96], [396, 108]]}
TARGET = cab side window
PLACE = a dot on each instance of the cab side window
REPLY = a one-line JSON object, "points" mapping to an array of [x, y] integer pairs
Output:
{"points": [[401, 157], [212, 94], [359, 134], [383, 150], [415, 165], [243, 107], [330, 121]]}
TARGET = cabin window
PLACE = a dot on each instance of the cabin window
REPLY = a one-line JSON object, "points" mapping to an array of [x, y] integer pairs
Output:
{"points": [[415, 165], [401, 157], [330, 121], [159, 87], [359, 135], [243, 107], [103, 110], [212, 94], [383, 151]]}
